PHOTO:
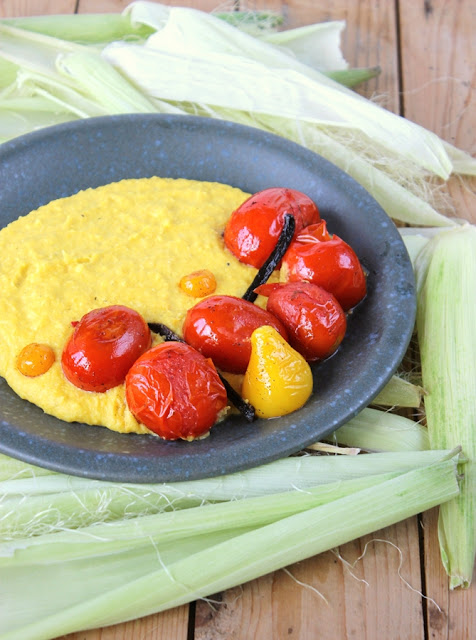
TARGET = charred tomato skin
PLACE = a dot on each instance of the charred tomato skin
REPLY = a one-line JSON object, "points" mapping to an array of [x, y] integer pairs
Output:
{"points": [[254, 227], [175, 391], [328, 261], [103, 346], [220, 327], [314, 319]]}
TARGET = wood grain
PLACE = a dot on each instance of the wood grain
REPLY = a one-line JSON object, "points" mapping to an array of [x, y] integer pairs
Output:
{"points": [[439, 82], [111, 6], [172, 624], [16, 8], [369, 38], [370, 588], [338, 594], [439, 79]]}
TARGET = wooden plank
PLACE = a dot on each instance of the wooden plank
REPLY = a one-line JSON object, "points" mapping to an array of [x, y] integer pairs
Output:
{"points": [[363, 592], [369, 38], [17, 8], [172, 624], [388, 603], [451, 615], [438, 73], [111, 6], [438, 53]]}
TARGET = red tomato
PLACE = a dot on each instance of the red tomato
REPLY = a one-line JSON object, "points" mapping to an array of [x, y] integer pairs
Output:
{"points": [[313, 318], [220, 327], [326, 260], [254, 228], [175, 391], [104, 345]]}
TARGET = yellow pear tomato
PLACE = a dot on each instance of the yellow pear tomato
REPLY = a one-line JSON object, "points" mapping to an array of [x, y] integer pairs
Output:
{"points": [[278, 379]]}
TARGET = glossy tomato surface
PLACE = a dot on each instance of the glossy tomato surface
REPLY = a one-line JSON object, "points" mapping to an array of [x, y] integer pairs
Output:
{"points": [[175, 391], [220, 327], [326, 260], [254, 228], [315, 321], [103, 346]]}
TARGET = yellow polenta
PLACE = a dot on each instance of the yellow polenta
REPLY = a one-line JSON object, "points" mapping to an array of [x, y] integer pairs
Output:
{"points": [[125, 243]]}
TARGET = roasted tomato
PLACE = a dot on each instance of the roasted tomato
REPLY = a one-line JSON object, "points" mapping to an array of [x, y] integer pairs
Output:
{"points": [[326, 260], [278, 379], [220, 327], [103, 346], [253, 229], [175, 391], [35, 359], [198, 284], [315, 321]]}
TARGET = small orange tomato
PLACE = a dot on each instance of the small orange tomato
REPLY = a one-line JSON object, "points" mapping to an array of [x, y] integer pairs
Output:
{"points": [[198, 284], [35, 359]]}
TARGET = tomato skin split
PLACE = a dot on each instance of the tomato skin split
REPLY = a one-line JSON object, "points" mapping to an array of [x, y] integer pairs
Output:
{"points": [[220, 327], [314, 319], [254, 228], [326, 260], [103, 346], [175, 391]]}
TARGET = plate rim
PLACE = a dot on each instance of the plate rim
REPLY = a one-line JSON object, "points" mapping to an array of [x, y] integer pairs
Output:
{"points": [[33, 451]]}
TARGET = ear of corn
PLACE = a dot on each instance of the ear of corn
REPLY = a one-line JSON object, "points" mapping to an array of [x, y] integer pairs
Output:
{"points": [[446, 320], [102, 575]]}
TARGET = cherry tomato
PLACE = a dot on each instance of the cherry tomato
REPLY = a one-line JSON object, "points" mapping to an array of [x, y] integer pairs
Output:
{"points": [[315, 321], [175, 391], [220, 327], [198, 284], [35, 359], [326, 260], [253, 229], [104, 345]]}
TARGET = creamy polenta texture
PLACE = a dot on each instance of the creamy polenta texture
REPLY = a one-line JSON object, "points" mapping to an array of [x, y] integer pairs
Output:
{"points": [[125, 243]]}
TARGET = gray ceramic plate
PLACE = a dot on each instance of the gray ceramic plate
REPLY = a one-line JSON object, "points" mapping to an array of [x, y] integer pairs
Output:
{"points": [[59, 161]]}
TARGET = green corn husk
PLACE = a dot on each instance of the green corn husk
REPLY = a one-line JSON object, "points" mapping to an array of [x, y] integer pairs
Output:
{"points": [[373, 430], [32, 504], [83, 28], [446, 317], [172, 525], [399, 392], [42, 598], [355, 76]]}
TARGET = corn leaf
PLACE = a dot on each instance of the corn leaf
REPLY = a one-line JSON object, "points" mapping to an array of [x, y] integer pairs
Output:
{"points": [[446, 316], [41, 600]]}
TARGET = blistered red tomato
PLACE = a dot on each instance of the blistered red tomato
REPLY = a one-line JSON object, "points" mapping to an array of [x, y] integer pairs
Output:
{"points": [[315, 321], [220, 327], [254, 228], [103, 346], [326, 260], [175, 391]]}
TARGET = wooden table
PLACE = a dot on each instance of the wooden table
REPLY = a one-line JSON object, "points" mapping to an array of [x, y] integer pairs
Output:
{"points": [[389, 585]]}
